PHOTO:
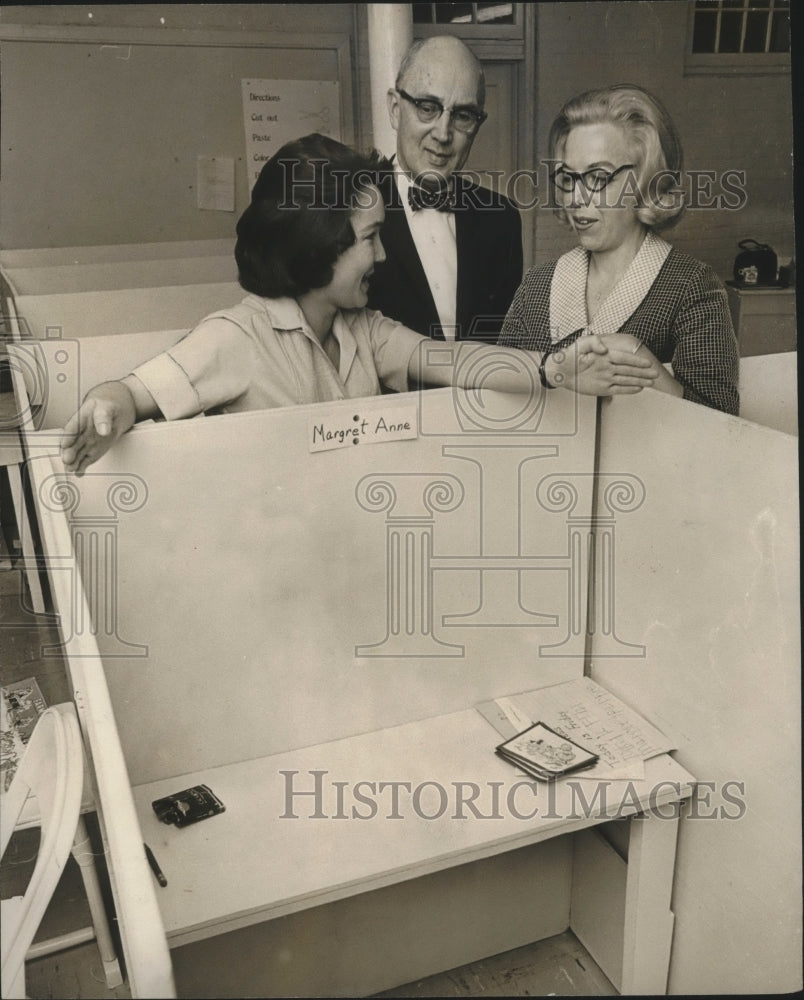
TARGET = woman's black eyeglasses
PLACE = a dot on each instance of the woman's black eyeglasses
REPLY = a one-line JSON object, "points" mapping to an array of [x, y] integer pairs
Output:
{"points": [[430, 110], [593, 180]]}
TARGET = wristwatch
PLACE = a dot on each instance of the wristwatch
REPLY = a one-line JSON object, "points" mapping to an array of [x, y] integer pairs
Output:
{"points": [[542, 373]]}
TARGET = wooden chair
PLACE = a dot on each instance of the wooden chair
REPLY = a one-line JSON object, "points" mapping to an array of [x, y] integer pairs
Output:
{"points": [[52, 771]]}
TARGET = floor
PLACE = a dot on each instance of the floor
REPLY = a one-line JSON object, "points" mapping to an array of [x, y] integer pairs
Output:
{"points": [[559, 966]]}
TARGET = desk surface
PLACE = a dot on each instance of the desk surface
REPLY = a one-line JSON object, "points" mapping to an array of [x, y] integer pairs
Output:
{"points": [[253, 863], [760, 289]]}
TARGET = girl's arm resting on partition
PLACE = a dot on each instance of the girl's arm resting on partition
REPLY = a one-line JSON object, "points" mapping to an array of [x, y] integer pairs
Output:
{"points": [[107, 412], [209, 367], [587, 366], [471, 365]]}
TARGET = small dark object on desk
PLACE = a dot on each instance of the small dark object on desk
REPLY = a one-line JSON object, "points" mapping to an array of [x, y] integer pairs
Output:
{"points": [[189, 806], [773, 286], [756, 265], [160, 875]]}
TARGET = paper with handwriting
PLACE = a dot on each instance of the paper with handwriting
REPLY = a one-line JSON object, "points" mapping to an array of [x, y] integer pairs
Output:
{"points": [[588, 714]]}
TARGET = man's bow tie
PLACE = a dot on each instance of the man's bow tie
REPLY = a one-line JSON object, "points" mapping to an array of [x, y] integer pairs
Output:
{"points": [[442, 200]]}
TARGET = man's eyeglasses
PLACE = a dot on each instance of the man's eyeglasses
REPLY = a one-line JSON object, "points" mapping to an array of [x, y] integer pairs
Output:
{"points": [[428, 110], [593, 180]]}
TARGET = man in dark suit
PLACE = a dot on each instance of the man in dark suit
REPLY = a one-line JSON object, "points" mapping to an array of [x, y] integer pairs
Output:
{"points": [[454, 249]]}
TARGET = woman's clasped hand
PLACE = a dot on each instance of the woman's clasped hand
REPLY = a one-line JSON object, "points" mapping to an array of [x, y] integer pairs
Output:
{"points": [[602, 366]]}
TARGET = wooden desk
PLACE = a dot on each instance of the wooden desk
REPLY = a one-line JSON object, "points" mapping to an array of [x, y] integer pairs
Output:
{"points": [[275, 852], [764, 319]]}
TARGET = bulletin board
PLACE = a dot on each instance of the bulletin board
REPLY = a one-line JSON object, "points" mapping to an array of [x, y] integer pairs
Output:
{"points": [[119, 117]]}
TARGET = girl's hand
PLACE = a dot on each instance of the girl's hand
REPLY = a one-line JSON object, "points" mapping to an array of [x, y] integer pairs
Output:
{"points": [[107, 412], [603, 366]]}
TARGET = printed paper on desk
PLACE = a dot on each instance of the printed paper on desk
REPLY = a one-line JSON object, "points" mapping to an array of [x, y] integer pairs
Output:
{"points": [[346, 429], [631, 770], [518, 719], [508, 720], [583, 711], [494, 714], [587, 713]]}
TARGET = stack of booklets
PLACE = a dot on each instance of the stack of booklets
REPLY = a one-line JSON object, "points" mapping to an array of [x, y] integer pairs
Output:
{"points": [[545, 754]]}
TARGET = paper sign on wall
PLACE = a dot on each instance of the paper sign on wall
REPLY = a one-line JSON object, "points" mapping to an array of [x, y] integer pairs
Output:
{"points": [[276, 111], [215, 183], [346, 430]]}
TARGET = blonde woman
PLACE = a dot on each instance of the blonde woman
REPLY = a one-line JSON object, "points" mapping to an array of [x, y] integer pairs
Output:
{"points": [[616, 161]]}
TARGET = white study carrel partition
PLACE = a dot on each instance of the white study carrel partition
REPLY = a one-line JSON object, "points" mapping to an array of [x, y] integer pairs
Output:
{"points": [[244, 610], [69, 292], [708, 581]]}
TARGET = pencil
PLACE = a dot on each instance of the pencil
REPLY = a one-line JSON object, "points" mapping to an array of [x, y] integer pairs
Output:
{"points": [[160, 875]]}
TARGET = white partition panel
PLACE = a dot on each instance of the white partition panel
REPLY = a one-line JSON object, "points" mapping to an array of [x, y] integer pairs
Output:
{"points": [[121, 310], [58, 373], [707, 581], [108, 275], [769, 391], [252, 597], [113, 253]]}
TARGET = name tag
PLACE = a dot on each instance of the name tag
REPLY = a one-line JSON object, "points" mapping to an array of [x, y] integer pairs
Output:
{"points": [[398, 423]]}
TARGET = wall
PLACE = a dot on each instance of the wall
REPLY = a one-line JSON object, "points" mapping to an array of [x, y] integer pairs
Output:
{"points": [[100, 147], [578, 45], [127, 138], [721, 118]]}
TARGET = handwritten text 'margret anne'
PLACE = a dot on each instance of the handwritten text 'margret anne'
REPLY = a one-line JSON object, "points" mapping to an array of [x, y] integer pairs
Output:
{"points": [[356, 431], [395, 424]]}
